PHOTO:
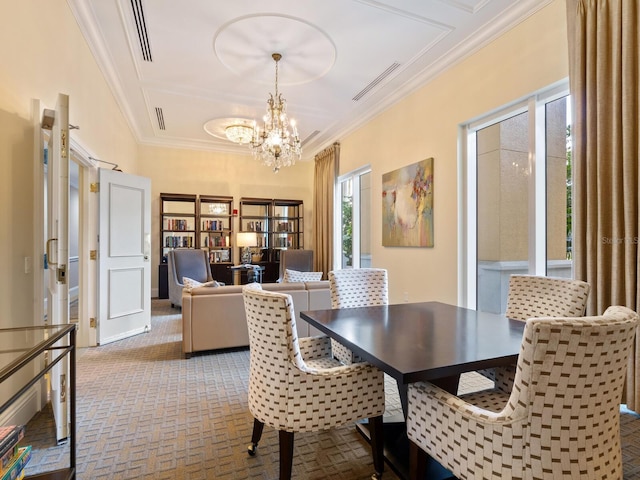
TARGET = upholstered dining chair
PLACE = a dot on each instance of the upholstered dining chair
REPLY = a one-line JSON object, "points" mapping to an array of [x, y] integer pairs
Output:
{"points": [[295, 384], [561, 420], [356, 287], [536, 296], [186, 262]]}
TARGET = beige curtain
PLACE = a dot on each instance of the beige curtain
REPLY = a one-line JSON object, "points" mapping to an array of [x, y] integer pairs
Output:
{"points": [[326, 168], [603, 71]]}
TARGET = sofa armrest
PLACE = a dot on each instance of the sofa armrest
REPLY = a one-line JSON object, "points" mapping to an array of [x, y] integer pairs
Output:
{"points": [[187, 345], [319, 295]]}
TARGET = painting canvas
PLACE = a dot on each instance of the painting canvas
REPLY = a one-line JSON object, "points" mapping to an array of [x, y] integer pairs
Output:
{"points": [[407, 206]]}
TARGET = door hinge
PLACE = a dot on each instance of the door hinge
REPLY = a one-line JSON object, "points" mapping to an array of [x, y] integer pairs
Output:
{"points": [[92, 322], [94, 187], [93, 254]]}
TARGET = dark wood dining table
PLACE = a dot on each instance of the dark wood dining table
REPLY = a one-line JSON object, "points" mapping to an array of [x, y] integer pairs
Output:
{"points": [[429, 341]]}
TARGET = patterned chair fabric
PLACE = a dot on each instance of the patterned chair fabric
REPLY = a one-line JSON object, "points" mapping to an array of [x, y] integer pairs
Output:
{"points": [[295, 385], [534, 296], [356, 287], [560, 421]]}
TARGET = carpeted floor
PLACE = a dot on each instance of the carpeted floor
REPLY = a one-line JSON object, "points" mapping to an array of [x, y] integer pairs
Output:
{"points": [[144, 412]]}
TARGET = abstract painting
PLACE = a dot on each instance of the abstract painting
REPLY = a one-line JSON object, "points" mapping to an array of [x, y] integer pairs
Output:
{"points": [[407, 206]]}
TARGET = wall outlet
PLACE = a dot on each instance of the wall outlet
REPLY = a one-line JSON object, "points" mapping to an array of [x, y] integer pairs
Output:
{"points": [[406, 297], [27, 264]]}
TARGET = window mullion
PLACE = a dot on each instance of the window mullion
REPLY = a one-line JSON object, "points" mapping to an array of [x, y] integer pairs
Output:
{"points": [[355, 244], [538, 189]]}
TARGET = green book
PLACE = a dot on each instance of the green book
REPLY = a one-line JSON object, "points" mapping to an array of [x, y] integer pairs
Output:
{"points": [[13, 471]]}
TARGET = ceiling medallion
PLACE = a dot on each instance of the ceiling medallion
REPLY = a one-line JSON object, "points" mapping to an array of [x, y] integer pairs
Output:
{"points": [[275, 145]]}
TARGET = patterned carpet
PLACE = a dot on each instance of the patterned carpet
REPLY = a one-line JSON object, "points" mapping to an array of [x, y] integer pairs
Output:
{"points": [[144, 412]]}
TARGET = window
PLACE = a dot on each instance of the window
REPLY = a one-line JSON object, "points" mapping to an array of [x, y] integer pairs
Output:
{"points": [[517, 197], [353, 220]]}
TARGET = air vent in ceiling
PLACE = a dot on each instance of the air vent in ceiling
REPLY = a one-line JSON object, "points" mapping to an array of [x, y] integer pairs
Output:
{"points": [[310, 136], [141, 26], [160, 116], [376, 81]]}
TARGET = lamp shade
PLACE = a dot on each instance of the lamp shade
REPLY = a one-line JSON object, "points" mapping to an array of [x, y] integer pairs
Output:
{"points": [[247, 239]]}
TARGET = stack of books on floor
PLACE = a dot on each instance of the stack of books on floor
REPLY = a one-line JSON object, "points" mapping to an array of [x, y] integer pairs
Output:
{"points": [[13, 457]]}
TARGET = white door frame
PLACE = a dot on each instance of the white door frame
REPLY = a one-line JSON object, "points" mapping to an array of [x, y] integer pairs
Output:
{"points": [[87, 225], [87, 241]]}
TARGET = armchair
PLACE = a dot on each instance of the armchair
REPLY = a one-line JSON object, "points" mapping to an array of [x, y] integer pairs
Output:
{"points": [[295, 259], [561, 420], [536, 296], [295, 385], [356, 287], [186, 262]]}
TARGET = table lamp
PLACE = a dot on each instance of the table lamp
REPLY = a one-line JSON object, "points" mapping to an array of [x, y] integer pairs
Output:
{"points": [[246, 240]]}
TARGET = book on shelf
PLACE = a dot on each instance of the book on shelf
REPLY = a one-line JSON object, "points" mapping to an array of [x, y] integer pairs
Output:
{"points": [[9, 438], [16, 467]]}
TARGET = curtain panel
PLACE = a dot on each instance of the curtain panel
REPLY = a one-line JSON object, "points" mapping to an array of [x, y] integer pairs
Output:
{"points": [[604, 46], [326, 167]]}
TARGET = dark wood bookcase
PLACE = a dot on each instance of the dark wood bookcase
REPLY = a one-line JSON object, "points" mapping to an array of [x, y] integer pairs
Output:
{"points": [[279, 224], [196, 221]]}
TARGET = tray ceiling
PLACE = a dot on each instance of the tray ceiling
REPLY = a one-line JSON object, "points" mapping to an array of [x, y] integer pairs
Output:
{"points": [[176, 66]]}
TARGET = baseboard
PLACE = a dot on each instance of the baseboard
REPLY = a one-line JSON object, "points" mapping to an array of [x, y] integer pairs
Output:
{"points": [[130, 333], [23, 409], [73, 294]]}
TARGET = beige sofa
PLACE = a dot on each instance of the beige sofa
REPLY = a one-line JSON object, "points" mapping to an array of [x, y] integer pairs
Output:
{"points": [[214, 318]]}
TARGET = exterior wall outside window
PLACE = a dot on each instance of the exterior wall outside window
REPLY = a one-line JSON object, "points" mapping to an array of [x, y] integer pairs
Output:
{"points": [[506, 188]]}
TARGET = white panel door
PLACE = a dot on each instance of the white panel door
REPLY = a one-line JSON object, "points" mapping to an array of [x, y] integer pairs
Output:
{"points": [[124, 278], [58, 254]]}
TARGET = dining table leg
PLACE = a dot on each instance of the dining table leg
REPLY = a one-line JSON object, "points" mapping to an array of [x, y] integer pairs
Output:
{"points": [[396, 442]]}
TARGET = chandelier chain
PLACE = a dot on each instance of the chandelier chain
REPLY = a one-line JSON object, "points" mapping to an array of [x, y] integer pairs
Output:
{"points": [[276, 146]]}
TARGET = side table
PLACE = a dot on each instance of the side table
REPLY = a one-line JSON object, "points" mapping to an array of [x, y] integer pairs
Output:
{"points": [[247, 273]]}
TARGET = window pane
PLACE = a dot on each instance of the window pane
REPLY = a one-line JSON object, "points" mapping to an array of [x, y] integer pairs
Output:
{"points": [[558, 157], [346, 195], [503, 208]]}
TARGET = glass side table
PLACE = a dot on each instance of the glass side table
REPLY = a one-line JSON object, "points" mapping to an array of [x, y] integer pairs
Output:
{"points": [[18, 348]]}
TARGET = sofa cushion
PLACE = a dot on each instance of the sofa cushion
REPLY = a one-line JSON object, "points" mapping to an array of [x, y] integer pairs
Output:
{"points": [[296, 276], [190, 283]]}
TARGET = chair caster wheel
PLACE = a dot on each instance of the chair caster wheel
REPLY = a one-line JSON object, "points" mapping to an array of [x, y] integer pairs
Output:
{"points": [[251, 449]]}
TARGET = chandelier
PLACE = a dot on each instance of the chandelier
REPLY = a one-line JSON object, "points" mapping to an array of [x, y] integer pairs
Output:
{"points": [[239, 133], [274, 145]]}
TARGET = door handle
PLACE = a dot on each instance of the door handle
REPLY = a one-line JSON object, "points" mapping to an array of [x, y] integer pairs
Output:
{"points": [[49, 256]]}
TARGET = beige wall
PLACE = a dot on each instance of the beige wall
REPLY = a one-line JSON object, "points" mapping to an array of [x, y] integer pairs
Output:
{"points": [[531, 56], [43, 53], [207, 173]]}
